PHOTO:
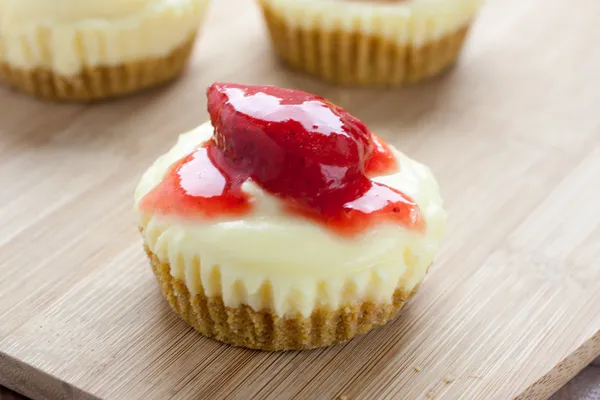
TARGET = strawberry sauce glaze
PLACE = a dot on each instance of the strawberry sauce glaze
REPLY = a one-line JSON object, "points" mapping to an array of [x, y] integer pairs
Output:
{"points": [[310, 153]]}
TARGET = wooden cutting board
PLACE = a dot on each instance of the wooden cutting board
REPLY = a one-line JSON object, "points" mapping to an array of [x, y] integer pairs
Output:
{"points": [[510, 309]]}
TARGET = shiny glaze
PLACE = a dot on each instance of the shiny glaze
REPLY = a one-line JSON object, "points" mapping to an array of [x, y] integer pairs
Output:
{"points": [[199, 184], [310, 153]]}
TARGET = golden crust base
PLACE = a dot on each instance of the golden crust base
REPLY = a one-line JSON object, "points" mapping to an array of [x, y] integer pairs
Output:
{"points": [[358, 59], [245, 327], [99, 83]]}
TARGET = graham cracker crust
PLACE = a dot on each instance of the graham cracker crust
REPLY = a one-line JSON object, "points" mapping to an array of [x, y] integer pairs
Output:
{"points": [[354, 58], [245, 327], [99, 83]]}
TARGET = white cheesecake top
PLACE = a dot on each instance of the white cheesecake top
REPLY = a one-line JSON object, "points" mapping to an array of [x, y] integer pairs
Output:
{"points": [[66, 36], [411, 21], [69, 10]]}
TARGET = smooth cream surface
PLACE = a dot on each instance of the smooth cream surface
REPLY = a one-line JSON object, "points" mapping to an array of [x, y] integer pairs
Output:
{"points": [[69, 10], [415, 22], [286, 263], [67, 36]]}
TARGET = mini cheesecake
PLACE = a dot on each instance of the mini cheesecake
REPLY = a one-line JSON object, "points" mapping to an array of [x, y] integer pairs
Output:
{"points": [[85, 50], [369, 43], [285, 223]]}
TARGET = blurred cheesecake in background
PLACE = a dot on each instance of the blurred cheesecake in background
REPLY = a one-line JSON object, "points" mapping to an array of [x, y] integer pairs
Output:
{"points": [[378, 43], [75, 50]]}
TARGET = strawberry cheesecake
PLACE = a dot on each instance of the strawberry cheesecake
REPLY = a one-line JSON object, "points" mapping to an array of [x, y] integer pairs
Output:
{"points": [[284, 223]]}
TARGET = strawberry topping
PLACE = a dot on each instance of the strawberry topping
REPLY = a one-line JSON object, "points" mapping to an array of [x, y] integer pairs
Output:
{"points": [[310, 153]]}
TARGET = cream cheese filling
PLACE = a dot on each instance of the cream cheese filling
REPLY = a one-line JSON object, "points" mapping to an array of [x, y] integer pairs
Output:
{"points": [[23, 11], [414, 22], [67, 36], [270, 259]]}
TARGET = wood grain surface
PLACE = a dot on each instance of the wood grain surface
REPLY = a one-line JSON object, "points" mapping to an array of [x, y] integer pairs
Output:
{"points": [[511, 308]]}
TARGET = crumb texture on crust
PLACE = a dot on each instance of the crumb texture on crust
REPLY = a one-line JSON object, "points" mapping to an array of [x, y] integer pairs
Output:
{"points": [[97, 83], [358, 44], [263, 330], [363, 60]]}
